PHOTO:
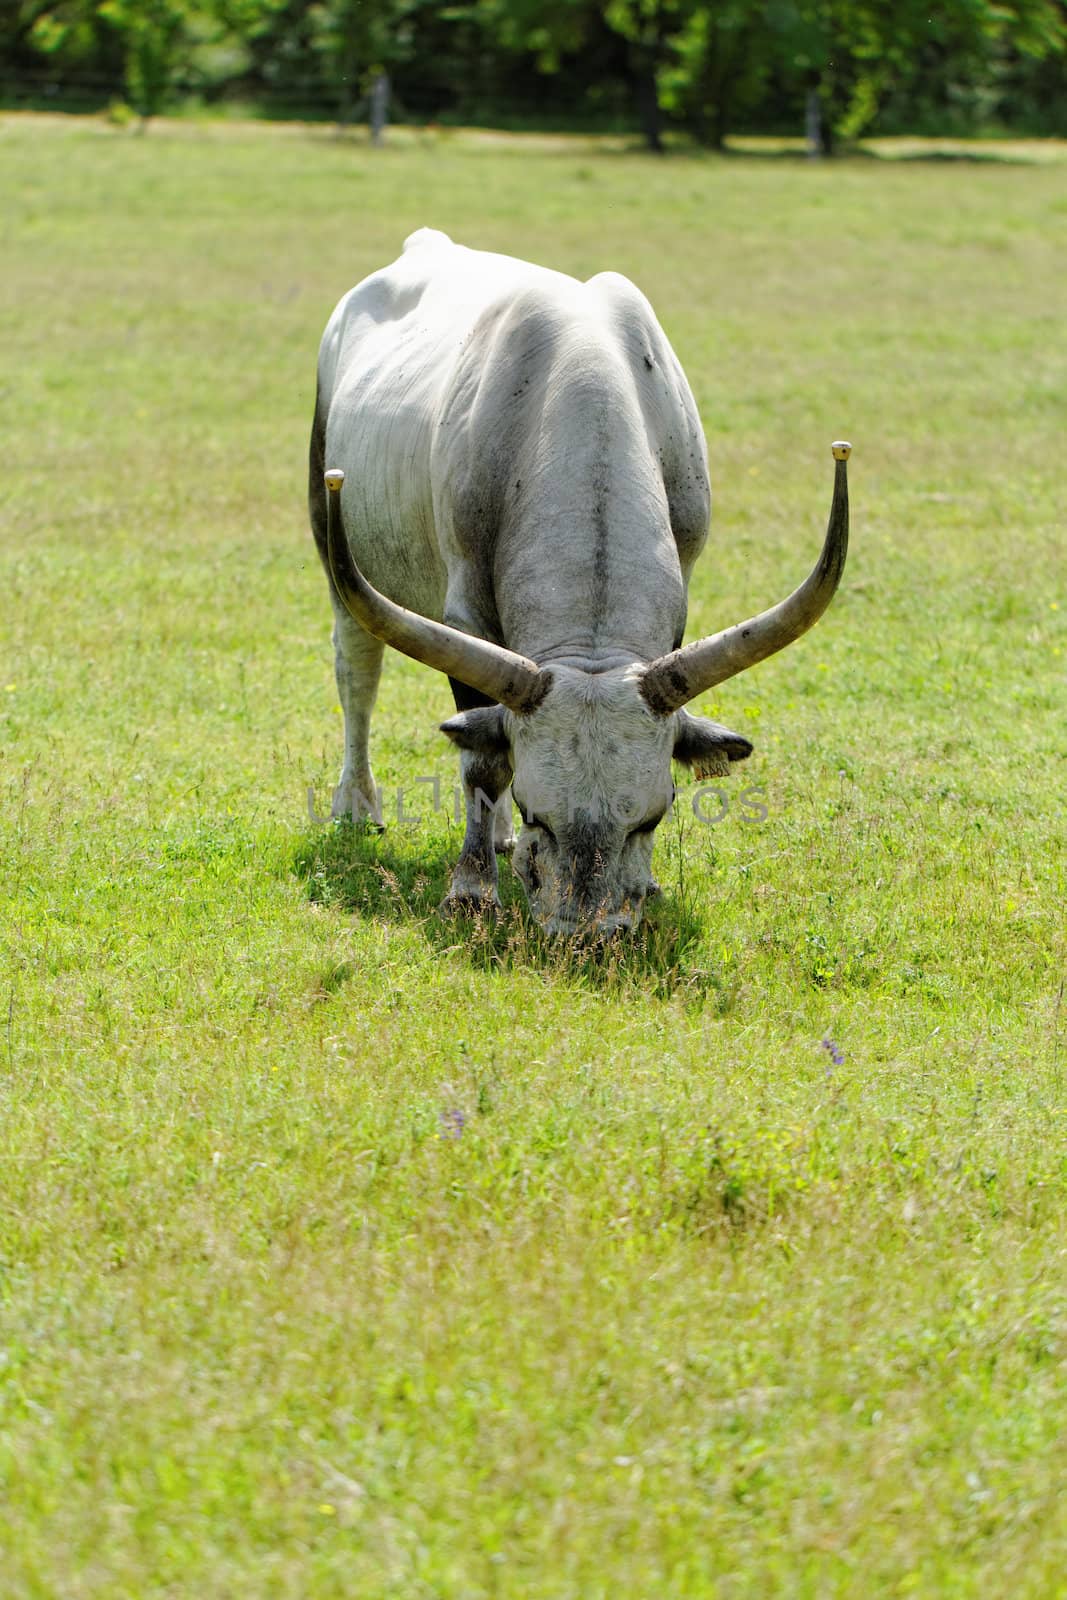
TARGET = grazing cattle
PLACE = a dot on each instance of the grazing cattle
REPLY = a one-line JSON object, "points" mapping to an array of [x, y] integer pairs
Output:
{"points": [[509, 483]]}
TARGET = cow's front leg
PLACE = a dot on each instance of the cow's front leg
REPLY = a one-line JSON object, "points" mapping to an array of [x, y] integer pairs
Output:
{"points": [[486, 778]]}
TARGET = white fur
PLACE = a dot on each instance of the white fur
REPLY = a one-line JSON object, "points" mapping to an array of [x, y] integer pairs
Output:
{"points": [[523, 459]]}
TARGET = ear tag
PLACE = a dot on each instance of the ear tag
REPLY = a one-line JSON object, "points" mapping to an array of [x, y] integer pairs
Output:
{"points": [[714, 764]]}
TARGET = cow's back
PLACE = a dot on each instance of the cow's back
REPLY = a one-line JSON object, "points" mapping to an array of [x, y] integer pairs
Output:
{"points": [[472, 398], [387, 360]]}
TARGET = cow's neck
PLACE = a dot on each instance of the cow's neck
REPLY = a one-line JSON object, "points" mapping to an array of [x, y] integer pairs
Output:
{"points": [[585, 569], [590, 593]]}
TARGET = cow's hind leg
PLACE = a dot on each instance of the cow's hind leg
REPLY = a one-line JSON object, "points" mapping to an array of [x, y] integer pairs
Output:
{"points": [[486, 777], [357, 657], [358, 665]]}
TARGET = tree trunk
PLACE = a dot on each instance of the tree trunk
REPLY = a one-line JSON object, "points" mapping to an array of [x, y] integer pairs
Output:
{"points": [[722, 67], [648, 104], [648, 109]]}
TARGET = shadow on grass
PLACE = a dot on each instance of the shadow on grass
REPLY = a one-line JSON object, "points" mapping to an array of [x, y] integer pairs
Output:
{"points": [[883, 158], [796, 153], [353, 870], [966, 158], [848, 155], [554, 144]]}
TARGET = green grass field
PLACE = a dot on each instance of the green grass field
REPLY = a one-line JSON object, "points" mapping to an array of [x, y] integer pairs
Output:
{"points": [[676, 1305]]}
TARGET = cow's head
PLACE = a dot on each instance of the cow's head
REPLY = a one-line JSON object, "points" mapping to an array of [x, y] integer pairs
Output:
{"points": [[591, 752], [592, 765]]}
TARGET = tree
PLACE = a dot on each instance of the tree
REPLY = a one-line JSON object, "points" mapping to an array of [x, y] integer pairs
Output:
{"points": [[358, 42], [549, 30], [718, 68], [62, 37], [706, 65], [156, 37], [856, 55]]}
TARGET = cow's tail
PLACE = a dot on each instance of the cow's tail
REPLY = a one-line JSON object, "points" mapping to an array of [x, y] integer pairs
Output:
{"points": [[316, 484]]}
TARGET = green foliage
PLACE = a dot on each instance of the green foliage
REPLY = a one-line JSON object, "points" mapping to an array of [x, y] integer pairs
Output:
{"points": [[547, 32], [353, 39], [685, 65], [151, 42], [154, 33], [717, 70], [860, 54]]}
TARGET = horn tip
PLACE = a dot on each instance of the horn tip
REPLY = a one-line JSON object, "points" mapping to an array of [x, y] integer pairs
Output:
{"points": [[841, 449], [334, 479]]}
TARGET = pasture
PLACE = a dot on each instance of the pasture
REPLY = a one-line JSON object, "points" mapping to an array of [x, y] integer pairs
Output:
{"points": [[347, 1252]]}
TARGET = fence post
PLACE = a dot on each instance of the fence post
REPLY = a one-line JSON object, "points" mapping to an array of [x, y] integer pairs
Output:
{"points": [[379, 107], [813, 124]]}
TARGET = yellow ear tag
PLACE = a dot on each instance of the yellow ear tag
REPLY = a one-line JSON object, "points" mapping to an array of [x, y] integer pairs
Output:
{"points": [[716, 764]]}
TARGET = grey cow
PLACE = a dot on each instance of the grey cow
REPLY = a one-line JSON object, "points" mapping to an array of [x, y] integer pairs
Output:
{"points": [[509, 483]]}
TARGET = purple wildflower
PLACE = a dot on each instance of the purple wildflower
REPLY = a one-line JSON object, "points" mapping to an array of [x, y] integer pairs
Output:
{"points": [[452, 1123], [836, 1054]]}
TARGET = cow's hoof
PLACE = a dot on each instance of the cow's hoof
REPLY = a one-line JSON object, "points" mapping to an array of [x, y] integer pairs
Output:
{"points": [[469, 904], [357, 816], [358, 803], [365, 824], [504, 847]]}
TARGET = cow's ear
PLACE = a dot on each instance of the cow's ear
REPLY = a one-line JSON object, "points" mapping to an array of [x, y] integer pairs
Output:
{"points": [[707, 746], [480, 729]]}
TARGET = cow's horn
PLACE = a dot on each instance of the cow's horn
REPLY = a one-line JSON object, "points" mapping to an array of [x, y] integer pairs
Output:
{"points": [[672, 680], [504, 676]]}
